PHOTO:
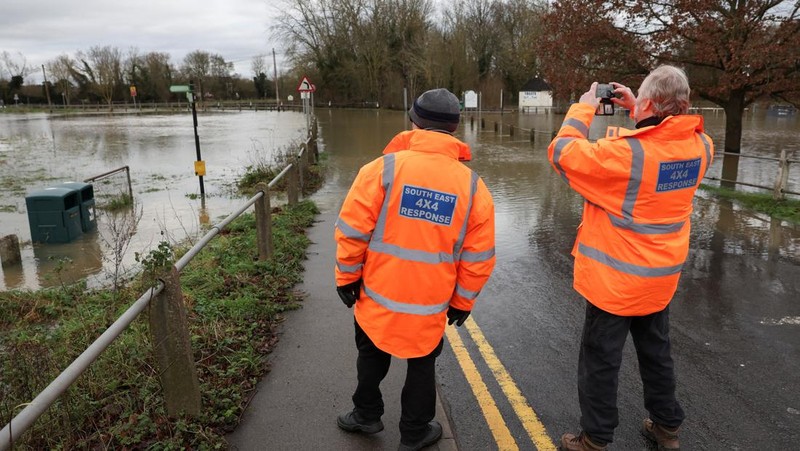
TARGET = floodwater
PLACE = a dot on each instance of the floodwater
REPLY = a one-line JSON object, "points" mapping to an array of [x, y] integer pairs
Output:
{"points": [[37, 151], [735, 316]]}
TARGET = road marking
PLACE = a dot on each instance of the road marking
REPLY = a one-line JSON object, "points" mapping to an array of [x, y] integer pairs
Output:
{"points": [[791, 320], [502, 436], [530, 421]]}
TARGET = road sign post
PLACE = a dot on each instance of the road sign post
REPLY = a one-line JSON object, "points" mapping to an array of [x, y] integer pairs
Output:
{"points": [[200, 165], [306, 90]]}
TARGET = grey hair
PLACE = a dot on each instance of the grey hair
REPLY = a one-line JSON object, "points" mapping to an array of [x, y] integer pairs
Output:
{"points": [[667, 87]]}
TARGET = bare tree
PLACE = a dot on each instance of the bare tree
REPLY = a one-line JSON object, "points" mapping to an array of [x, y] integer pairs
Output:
{"points": [[61, 69], [258, 65], [16, 66], [103, 66], [197, 68], [17, 69]]}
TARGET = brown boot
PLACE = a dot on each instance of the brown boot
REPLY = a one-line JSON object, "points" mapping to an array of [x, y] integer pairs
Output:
{"points": [[666, 438], [581, 442]]}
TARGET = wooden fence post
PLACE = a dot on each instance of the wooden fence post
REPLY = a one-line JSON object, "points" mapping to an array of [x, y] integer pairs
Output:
{"points": [[783, 176], [308, 155], [169, 330], [495, 126], [264, 223], [483, 124], [314, 149], [301, 173], [511, 130], [293, 184], [533, 135], [9, 251]]}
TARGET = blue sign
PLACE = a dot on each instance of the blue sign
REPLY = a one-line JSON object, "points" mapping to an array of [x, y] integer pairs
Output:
{"points": [[674, 175], [429, 205]]}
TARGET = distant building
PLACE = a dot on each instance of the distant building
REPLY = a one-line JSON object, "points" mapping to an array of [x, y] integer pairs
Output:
{"points": [[781, 110], [535, 95]]}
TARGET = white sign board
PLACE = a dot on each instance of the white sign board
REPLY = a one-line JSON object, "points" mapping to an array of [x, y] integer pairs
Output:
{"points": [[470, 99]]}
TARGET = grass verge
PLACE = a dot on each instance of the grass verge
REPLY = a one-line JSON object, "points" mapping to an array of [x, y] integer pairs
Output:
{"points": [[788, 209], [234, 303]]}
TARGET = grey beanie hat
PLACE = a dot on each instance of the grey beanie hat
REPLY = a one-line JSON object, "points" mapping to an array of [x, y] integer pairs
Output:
{"points": [[437, 109]]}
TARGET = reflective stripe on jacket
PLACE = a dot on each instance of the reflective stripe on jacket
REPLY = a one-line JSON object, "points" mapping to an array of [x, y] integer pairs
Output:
{"points": [[638, 187], [418, 228]]}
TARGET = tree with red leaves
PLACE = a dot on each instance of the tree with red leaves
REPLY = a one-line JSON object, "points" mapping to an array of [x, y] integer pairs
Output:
{"points": [[734, 52]]}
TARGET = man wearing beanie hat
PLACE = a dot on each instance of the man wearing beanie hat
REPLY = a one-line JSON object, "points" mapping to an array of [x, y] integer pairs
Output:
{"points": [[415, 246], [437, 109]]}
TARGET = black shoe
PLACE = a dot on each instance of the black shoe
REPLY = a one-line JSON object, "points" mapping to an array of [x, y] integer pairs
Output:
{"points": [[350, 422], [433, 436]]}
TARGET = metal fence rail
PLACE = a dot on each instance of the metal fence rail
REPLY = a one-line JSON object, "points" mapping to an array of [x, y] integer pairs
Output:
{"points": [[167, 311]]}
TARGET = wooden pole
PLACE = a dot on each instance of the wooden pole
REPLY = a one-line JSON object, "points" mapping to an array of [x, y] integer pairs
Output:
{"points": [[263, 223], [9, 251], [293, 184], [783, 177], [173, 350]]}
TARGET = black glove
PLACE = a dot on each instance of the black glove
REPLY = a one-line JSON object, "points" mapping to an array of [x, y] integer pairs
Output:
{"points": [[457, 316], [350, 292]]}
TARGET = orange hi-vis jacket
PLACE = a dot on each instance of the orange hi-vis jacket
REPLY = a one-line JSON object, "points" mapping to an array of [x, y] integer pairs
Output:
{"points": [[638, 187], [418, 228], [402, 141]]}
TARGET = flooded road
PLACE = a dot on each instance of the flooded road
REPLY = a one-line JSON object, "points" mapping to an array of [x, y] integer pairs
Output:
{"points": [[735, 318]]}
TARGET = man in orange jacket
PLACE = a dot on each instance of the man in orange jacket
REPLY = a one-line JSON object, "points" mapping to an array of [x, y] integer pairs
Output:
{"points": [[631, 245], [415, 246]]}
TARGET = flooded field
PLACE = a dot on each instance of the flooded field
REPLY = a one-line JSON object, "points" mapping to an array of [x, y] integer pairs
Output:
{"points": [[37, 151]]}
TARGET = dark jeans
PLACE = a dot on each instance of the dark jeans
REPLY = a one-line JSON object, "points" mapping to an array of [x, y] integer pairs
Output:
{"points": [[604, 337], [418, 400]]}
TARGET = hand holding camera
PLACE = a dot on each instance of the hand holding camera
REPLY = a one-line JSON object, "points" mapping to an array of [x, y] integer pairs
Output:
{"points": [[603, 97], [605, 92]]}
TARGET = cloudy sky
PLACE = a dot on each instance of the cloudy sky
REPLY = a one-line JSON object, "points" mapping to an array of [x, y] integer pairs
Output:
{"points": [[43, 29]]}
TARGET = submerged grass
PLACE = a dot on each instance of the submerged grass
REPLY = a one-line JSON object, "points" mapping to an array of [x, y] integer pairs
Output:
{"points": [[787, 209], [233, 301]]}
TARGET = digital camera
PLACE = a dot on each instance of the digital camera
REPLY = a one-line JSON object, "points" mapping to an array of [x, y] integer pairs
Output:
{"points": [[605, 92]]}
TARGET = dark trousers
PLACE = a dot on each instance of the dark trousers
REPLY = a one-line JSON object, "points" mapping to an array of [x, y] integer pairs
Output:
{"points": [[603, 339], [418, 400]]}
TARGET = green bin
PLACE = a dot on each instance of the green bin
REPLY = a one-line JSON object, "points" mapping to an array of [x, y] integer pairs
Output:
{"points": [[54, 215], [86, 199]]}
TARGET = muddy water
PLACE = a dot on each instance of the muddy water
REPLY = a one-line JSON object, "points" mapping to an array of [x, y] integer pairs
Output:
{"points": [[37, 151]]}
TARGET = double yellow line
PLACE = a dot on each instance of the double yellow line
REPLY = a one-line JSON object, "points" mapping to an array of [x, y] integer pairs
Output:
{"points": [[497, 425]]}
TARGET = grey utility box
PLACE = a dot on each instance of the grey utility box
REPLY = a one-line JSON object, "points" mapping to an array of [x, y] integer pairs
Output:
{"points": [[54, 215], [86, 199]]}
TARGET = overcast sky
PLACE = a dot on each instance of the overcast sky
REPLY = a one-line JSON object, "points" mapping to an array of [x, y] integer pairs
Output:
{"points": [[43, 29]]}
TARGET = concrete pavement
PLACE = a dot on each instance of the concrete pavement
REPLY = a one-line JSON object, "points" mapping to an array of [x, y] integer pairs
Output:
{"points": [[313, 373]]}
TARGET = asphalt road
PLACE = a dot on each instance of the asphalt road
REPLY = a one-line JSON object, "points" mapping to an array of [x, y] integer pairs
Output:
{"points": [[735, 333]]}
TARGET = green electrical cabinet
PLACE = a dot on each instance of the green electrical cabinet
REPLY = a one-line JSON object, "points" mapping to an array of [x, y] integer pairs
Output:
{"points": [[54, 215], [86, 199]]}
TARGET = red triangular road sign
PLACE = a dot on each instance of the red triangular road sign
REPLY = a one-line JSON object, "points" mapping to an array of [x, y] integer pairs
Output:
{"points": [[305, 85]]}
